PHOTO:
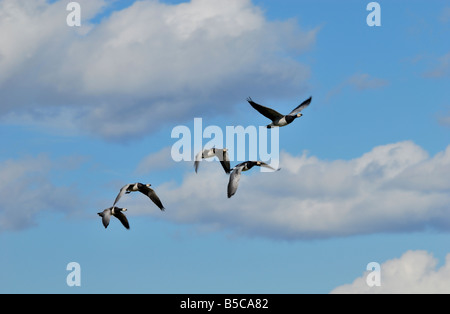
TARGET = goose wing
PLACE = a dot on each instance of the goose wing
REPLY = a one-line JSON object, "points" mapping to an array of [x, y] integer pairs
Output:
{"points": [[152, 195], [263, 164], [267, 112], [123, 219], [233, 184], [121, 193], [300, 107], [198, 158], [205, 153], [106, 216], [224, 158]]}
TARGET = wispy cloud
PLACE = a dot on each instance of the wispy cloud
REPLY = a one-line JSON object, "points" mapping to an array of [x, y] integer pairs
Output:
{"points": [[138, 64], [444, 120], [360, 82], [364, 81], [442, 69], [158, 161], [415, 272], [445, 15], [395, 187], [26, 191]]}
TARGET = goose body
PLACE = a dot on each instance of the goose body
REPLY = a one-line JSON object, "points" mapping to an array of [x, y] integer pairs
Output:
{"points": [[278, 119], [221, 153], [235, 176], [139, 187], [116, 212]]}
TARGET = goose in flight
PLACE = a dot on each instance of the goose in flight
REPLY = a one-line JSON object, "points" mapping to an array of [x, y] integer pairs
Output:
{"points": [[277, 118], [235, 176], [116, 212], [220, 153], [144, 189]]}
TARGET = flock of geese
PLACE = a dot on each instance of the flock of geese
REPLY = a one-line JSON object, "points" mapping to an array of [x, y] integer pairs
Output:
{"points": [[278, 120]]}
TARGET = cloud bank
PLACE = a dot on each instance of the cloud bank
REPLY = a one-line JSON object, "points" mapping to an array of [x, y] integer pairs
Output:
{"points": [[144, 65], [415, 272], [393, 188]]}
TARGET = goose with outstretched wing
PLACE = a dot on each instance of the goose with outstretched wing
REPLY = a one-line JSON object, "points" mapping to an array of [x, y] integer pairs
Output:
{"points": [[278, 119], [144, 189], [116, 212], [221, 153], [235, 176]]}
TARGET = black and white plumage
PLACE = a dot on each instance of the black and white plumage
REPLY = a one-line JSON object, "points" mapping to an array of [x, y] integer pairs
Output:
{"points": [[116, 212], [278, 119], [235, 176], [221, 153], [144, 189]]}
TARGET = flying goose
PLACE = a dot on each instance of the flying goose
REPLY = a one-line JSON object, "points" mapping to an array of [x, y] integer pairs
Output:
{"points": [[114, 211], [236, 174], [144, 189], [220, 153], [277, 118]]}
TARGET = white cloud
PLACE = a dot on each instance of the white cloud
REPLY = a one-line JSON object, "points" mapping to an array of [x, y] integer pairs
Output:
{"points": [[415, 272], [26, 191], [35, 31], [144, 65], [393, 188]]}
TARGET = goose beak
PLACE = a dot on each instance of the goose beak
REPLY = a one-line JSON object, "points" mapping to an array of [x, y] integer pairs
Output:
{"points": [[148, 185], [124, 210], [299, 115]]}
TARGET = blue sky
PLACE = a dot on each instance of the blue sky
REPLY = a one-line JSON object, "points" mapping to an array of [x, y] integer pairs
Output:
{"points": [[86, 110]]}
